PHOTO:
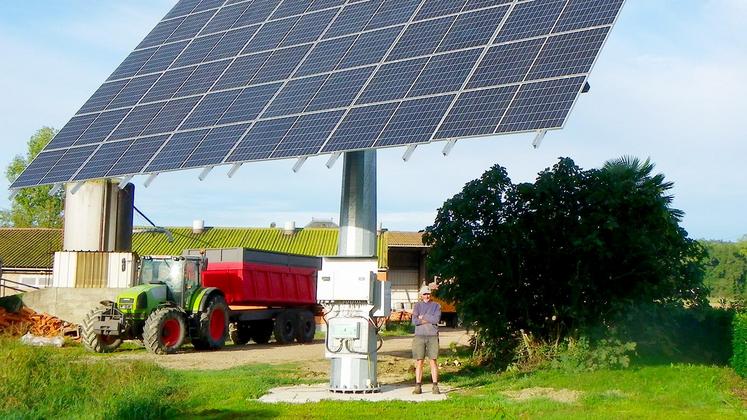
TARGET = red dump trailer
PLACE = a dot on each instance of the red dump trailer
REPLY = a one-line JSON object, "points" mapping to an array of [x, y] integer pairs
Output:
{"points": [[267, 293]]}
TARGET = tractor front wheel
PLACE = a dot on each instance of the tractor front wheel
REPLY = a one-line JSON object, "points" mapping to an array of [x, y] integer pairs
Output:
{"points": [[164, 331], [97, 342], [212, 325]]}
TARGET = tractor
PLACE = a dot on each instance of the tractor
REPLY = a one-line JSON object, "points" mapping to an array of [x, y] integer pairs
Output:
{"points": [[168, 306]]}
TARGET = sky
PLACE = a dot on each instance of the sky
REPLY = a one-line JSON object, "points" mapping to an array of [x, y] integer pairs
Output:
{"points": [[669, 85]]}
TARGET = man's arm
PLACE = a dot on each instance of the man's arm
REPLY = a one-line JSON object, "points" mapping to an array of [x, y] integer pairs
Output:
{"points": [[434, 317], [415, 315]]}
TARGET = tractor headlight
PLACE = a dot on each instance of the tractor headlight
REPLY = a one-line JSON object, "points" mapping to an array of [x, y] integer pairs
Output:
{"points": [[142, 301]]}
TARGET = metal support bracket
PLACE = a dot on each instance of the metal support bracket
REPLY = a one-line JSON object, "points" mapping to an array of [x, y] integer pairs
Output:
{"points": [[332, 159], [447, 148], [55, 189], [408, 153], [123, 183], [299, 163], [234, 169], [13, 194], [205, 172], [151, 178], [76, 187], [538, 139]]}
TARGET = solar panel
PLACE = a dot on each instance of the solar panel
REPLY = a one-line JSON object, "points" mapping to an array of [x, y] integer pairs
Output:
{"points": [[229, 81]]}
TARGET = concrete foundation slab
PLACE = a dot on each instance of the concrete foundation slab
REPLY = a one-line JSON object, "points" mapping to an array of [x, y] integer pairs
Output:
{"points": [[300, 394]]}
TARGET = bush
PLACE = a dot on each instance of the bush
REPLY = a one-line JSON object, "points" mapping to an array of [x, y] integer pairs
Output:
{"points": [[571, 354], [563, 254], [739, 344]]}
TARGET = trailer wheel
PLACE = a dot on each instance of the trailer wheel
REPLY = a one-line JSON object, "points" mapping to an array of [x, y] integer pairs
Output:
{"points": [[212, 329], [239, 332], [262, 331], [164, 331], [285, 327], [306, 327], [97, 342]]}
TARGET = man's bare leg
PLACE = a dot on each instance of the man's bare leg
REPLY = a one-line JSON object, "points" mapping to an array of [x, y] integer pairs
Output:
{"points": [[434, 370]]}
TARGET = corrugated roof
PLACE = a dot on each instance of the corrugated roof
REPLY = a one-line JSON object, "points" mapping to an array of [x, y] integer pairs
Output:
{"points": [[405, 239], [29, 247], [34, 248]]}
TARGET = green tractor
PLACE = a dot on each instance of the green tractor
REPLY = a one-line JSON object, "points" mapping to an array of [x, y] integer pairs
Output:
{"points": [[168, 306]]}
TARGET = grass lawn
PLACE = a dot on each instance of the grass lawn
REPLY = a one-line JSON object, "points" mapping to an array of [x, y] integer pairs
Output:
{"points": [[68, 383]]}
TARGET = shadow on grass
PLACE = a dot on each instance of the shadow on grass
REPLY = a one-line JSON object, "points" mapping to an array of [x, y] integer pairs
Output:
{"points": [[259, 413]]}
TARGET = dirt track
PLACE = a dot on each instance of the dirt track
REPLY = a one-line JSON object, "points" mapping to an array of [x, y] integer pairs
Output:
{"points": [[394, 356]]}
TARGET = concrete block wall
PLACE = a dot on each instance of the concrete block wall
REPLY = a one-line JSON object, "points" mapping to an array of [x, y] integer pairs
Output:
{"points": [[66, 303]]}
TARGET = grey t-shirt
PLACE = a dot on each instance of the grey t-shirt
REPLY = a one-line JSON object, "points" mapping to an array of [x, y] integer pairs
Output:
{"points": [[431, 312]]}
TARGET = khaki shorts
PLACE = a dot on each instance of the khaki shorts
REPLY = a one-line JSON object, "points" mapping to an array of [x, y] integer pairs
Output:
{"points": [[425, 345]]}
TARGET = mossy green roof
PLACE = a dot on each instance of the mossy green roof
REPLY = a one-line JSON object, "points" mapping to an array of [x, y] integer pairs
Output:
{"points": [[35, 248], [29, 247]]}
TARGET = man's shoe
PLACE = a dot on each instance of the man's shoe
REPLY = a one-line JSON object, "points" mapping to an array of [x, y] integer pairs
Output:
{"points": [[435, 389], [418, 389]]}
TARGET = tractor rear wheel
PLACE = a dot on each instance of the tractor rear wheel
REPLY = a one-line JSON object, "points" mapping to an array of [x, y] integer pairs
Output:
{"points": [[240, 333], [164, 330], [306, 327], [262, 331], [212, 329], [97, 342], [285, 327]]}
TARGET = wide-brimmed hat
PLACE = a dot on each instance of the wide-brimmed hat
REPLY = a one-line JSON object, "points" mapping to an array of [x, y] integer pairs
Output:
{"points": [[425, 290]]}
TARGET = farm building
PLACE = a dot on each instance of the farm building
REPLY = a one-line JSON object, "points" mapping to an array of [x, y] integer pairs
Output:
{"points": [[27, 254]]}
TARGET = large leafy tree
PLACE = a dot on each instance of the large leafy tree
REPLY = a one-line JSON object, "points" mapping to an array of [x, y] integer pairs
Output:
{"points": [[32, 207], [567, 252]]}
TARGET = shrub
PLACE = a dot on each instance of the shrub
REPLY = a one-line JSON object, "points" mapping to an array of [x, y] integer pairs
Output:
{"points": [[739, 344]]}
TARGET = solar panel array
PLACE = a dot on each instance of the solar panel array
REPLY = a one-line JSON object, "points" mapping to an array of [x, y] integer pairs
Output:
{"points": [[227, 81]]}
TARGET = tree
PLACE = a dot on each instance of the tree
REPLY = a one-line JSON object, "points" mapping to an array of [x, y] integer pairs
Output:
{"points": [[32, 207], [567, 252]]}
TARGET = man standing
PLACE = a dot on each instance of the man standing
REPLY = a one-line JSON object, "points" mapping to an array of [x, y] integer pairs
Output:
{"points": [[425, 317]]}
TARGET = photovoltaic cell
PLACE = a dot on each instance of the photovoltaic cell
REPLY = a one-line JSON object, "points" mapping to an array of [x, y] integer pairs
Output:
{"points": [[531, 19], [269, 79], [101, 127], [472, 29], [71, 131], [353, 18], [295, 96], [102, 160], [262, 139], [421, 38], [361, 127], [210, 109], [216, 145], [506, 63], [392, 81], [445, 73], [568, 54], [176, 151], [68, 164], [39, 167], [476, 113], [587, 13], [325, 56], [541, 105], [340, 89], [134, 159], [249, 103], [136, 121], [308, 134], [414, 121]]}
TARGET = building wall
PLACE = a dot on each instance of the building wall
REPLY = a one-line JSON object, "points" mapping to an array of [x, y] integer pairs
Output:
{"points": [[35, 278]]}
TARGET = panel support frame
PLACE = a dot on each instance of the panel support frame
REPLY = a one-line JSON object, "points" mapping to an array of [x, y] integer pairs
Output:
{"points": [[332, 159], [151, 178], [123, 183], [205, 172], [537, 142], [55, 189], [448, 147], [234, 168], [408, 153], [299, 163]]}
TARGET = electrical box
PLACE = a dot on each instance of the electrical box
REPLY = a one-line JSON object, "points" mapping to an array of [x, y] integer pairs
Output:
{"points": [[350, 330], [382, 304], [347, 279]]}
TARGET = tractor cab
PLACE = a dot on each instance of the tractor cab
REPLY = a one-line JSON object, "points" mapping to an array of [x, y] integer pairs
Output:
{"points": [[180, 275]]}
